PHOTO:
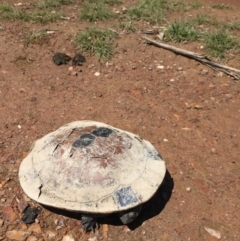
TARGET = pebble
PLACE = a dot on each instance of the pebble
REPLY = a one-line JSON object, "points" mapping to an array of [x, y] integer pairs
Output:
{"points": [[17, 235], [51, 233], [213, 150], [188, 189], [187, 105], [220, 74], [97, 74], [204, 72], [32, 238], [160, 67], [3, 200], [179, 69], [93, 239], [35, 227], [68, 238], [198, 107], [214, 233], [165, 140]]}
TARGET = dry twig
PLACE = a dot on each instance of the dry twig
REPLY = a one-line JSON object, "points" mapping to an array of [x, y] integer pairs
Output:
{"points": [[235, 73]]}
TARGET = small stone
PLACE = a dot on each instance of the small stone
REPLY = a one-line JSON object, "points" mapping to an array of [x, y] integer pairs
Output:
{"points": [[204, 72], [179, 69], [22, 90], [187, 105], [70, 68], [172, 80], [97, 74], [220, 74], [126, 229], [32, 238], [3, 200], [198, 107], [214, 233], [213, 150], [68, 238], [160, 67], [74, 73], [51, 233], [188, 189], [8, 213], [165, 140], [229, 96], [93, 239], [35, 227], [17, 235]]}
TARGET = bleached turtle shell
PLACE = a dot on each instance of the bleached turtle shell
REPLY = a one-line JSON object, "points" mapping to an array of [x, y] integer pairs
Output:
{"points": [[91, 167]]}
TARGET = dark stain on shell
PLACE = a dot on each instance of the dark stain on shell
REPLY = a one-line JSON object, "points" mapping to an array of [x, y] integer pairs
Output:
{"points": [[84, 140], [125, 196], [102, 132]]}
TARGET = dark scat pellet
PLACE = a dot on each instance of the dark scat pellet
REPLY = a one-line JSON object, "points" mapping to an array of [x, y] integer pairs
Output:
{"points": [[61, 58], [78, 59]]}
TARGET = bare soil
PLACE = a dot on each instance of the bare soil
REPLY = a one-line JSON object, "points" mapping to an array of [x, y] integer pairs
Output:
{"points": [[188, 111]]}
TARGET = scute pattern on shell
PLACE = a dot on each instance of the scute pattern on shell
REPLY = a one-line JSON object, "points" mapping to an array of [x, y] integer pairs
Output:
{"points": [[92, 167]]}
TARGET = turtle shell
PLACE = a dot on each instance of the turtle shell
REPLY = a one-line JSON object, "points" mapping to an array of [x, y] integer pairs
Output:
{"points": [[91, 167]]}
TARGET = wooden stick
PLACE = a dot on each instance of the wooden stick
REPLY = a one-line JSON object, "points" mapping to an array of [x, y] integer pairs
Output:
{"points": [[198, 57]]}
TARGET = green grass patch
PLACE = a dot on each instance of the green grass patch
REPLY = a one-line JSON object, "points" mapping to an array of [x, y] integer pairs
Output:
{"points": [[153, 11], [195, 5], [222, 6], [112, 2], [219, 43], [205, 19], [52, 3], [10, 13], [95, 10], [180, 31], [233, 26], [36, 38], [176, 6], [128, 26], [97, 41]]}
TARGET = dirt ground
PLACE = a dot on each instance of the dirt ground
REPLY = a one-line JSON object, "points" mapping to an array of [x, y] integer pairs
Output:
{"points": [[188, 111]]}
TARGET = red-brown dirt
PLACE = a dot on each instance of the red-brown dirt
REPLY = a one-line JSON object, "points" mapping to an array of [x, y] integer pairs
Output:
{"points": [[191, 116]]}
